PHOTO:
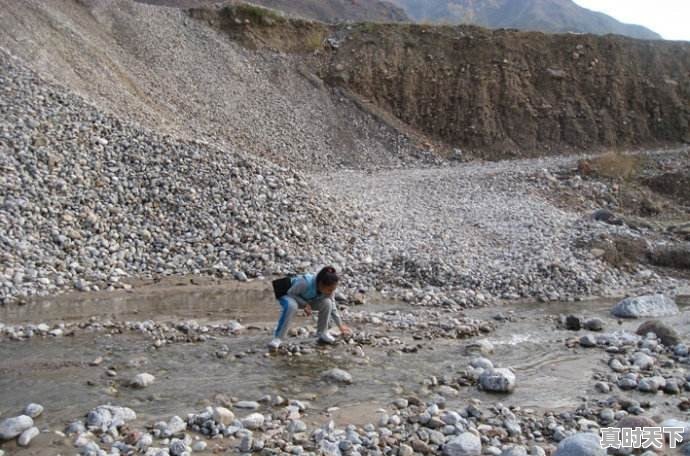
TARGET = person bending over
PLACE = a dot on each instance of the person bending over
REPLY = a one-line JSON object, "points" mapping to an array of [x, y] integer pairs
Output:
{"points": [[309, 292]]}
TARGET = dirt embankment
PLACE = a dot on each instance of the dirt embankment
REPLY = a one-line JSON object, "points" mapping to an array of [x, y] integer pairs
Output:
{"points": [[500, 93], [514, 92]]}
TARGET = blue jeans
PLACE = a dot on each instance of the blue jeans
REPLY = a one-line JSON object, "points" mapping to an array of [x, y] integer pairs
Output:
{"points": [[289, 308]]}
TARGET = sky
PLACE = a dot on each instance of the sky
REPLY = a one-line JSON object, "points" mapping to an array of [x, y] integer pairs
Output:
{"points": [[669, 18]]}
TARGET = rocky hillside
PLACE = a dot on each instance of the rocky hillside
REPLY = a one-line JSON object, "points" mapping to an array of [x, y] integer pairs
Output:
{"points": [[89, 199], [324, 96], [557, 16], [159, 67]]}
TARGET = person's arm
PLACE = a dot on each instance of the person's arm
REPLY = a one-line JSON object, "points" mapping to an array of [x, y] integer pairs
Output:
{"points": [[335, 315]]}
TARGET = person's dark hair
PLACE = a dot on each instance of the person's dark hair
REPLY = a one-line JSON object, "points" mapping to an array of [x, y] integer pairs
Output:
{"points": [[327, 276]]}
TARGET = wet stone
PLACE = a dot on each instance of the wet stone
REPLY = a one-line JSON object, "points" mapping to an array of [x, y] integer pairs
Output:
{"points": [[13, 427]]}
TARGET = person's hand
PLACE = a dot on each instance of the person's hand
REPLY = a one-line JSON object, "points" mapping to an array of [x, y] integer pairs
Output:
{"points": [[345, 330], [307, 310]]}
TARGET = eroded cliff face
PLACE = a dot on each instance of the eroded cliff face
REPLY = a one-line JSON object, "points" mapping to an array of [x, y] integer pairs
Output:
{"points": [[506, 93], [496, 94]]}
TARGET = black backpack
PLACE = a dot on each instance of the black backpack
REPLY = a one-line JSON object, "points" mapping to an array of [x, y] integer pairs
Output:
{"points": [[281, 286]]}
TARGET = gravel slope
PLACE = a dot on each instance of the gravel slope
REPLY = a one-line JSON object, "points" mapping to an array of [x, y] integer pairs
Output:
{"points": [[88, 199], [485, 227], [159, 67]]}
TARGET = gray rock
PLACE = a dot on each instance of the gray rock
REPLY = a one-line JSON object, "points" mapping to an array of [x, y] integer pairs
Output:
{"points": [[76, 427], [328, 448], [249, 405], [482, 346], [671, 387], [177, 447], [104, 416], [199, 445], [337, 375], [405, 450], [10, 428], [451, 418], [142, 380], [246, 443], [631, 421], [537, 451], [501, 380], [643, 360], [513, 427], [573, 323], [175, 426], [465, 444], [666, 335], [672, 422], [223, 416], [607, 416], [629, 382], [602, 387], [144, 442], [253, 421], [482, 363], [33, 410], [657, 305], [651, 384], [594, 324], [581, 444], [588, 341], [27, 436]]}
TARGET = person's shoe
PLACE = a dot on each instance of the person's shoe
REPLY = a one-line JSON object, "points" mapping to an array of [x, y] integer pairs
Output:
{"points": [[326, 338], [274, 344]]}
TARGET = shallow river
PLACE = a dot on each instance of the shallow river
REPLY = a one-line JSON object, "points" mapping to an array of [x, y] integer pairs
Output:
{"points": [[56, 371]]}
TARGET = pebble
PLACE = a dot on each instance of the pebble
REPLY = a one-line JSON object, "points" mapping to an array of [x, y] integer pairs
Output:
{"points": [[643, 361], [175, 426], [664, 333], [11, 428], [594, 324], [177, 447], [337, 375], [501, 380], [143, 380], [581, 444], [27, 436], [250, 405], [482, 363], [223, 416], [588, 341], [253, 421], [199, 445], [405, 450], [33, 410], [76, 427], [657, 305], [465, 444]]}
